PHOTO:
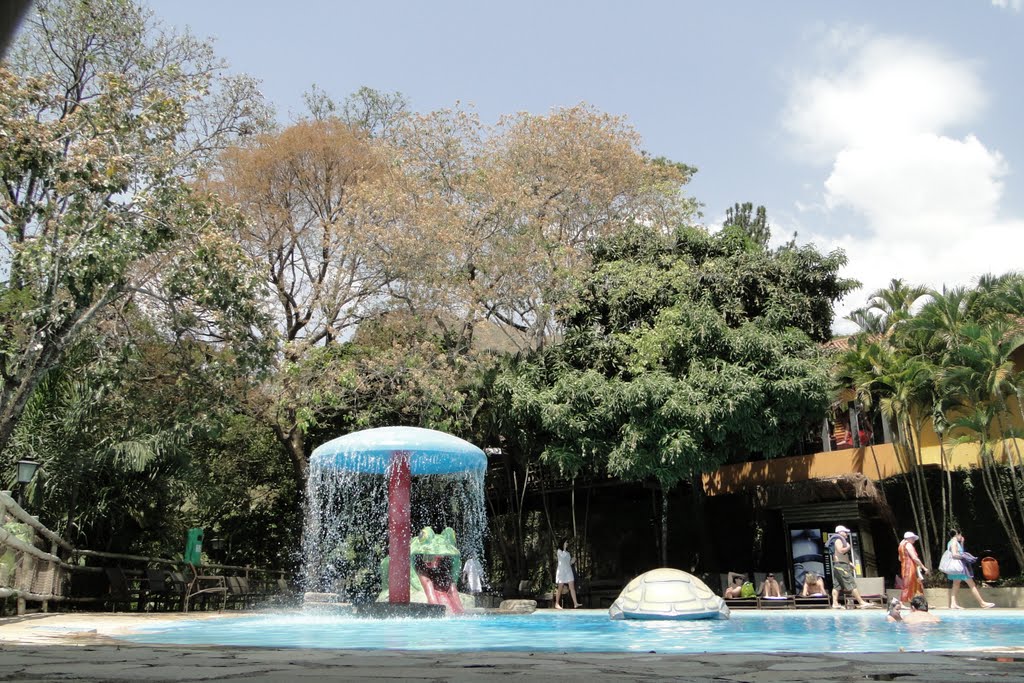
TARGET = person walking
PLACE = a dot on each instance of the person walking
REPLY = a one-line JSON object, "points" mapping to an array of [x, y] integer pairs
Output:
{"points": [[564, 576], [844, 577], [955, 566], [911, 568]]}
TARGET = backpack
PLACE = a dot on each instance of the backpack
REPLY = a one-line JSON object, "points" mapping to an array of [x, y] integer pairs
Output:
{"points": [[747, 590]]}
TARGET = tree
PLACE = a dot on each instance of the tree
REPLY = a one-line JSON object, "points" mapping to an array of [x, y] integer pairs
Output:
{"points": [[495, 223], [105, 113], [299, 191], [949, 365], [895, 303], [376, 113], [681, 352], [981, 375], [740, 217]]}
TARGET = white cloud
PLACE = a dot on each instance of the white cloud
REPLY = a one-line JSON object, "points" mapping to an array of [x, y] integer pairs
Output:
{"points": [[928, 202], [918, 184], [890, 88], [1015, 5]]}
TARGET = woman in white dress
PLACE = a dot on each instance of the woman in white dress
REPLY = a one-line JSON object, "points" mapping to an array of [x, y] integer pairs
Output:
{"points": [[564, 576]]}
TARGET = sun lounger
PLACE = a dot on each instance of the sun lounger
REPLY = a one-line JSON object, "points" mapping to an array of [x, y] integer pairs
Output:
{"points": [[812, 602], [162, 591], [205, 591], [784, 602], [871, 589], [741, 603]]}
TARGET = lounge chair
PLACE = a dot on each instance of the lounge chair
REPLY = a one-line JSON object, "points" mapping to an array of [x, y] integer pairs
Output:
{"points": [[786, 601], [240, 594], [812, 602], [206, 588], [871, 589], [736, 603]]}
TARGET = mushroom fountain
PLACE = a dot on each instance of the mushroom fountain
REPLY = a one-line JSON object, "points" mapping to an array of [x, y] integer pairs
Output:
{"points": [[345, 535]]}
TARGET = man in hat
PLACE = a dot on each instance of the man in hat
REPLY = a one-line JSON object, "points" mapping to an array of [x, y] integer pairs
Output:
{"points": [[844, 578]]}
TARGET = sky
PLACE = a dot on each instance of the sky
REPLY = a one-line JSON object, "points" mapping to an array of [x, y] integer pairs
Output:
{"points": [[891, 130]]}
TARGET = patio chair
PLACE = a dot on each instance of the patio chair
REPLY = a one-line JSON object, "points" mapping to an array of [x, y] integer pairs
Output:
{"points": [[812, 602], [240, 594], [121, 591], [161, 591], [284, 594], [207, 588]]}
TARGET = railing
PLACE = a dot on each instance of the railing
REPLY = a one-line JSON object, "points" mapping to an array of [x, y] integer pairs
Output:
{"points": [[28, 573], [31, 574]]}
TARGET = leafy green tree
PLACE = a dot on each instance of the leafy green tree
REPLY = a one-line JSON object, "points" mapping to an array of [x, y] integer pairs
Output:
{"points": [[683, 352], [896, 302], [105, 114], [754, 225]]}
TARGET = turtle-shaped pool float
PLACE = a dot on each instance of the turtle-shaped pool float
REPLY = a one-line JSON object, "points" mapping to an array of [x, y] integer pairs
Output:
{"points": [[667, 594]]}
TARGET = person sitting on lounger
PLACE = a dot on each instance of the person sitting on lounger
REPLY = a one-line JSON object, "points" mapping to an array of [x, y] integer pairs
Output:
{"points": [[735, 589], [814, 586], [770, 588]]}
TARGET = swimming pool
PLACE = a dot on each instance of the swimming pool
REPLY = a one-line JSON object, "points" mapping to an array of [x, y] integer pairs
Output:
{"points": [[802, 631]]}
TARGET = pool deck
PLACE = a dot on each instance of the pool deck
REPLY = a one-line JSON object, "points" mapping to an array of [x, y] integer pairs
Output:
{"points": [[82, 647]]}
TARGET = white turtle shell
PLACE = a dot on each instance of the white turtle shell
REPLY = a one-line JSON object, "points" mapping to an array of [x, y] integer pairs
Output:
{"points": [[668, 594]]}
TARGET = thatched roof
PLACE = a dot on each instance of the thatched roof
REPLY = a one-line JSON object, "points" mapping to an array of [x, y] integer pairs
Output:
{"points": [[854, 487]]}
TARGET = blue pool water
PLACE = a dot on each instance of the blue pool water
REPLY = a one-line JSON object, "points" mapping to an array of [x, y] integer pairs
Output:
{"points": [[780, 631]]}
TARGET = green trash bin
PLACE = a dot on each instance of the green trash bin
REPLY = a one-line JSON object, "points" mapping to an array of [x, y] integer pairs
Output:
{"points": [[194, 546]]}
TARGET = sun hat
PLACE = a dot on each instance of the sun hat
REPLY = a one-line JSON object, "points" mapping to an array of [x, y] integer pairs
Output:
{"points": [[910, 535], [842, 529]]}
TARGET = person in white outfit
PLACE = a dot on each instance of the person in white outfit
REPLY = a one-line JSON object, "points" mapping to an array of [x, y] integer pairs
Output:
{"points": [[473, 575], [564, 575]]}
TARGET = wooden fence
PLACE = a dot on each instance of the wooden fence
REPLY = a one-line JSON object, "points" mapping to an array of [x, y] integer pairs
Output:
{"points": [[37, 566]]}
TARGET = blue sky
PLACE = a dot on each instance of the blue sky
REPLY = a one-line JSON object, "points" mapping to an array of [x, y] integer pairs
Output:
{"points": [[889, 129]]}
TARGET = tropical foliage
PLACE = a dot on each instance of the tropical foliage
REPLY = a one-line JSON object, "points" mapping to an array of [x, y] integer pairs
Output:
{"points": [[947, 361]]}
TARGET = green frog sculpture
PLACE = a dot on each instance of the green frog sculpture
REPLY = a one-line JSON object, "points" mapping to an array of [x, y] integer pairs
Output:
{"points": [[434, 570]]}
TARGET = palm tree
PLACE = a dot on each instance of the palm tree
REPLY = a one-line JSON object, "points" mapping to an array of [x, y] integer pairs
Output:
{"points": [[973, 424], [878, 372], [868, 320], [896, 302], [981, 374]]}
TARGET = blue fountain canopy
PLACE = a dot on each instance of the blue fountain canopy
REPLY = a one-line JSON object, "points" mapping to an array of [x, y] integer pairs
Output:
{"points": [[370, 451]]}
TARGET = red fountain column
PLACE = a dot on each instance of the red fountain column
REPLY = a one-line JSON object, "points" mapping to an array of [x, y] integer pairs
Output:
{"points": [[399, 532]]}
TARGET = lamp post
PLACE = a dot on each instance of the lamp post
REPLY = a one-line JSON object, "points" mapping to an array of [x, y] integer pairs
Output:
{"points": [[216, 545], [26, 470]]}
